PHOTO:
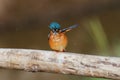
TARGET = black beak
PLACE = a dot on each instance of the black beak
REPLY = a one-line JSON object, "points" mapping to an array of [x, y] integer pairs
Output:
{"points": [[55, 30]]}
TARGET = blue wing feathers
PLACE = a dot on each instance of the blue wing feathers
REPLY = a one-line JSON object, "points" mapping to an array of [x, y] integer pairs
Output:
{"points": [[69, 28]]}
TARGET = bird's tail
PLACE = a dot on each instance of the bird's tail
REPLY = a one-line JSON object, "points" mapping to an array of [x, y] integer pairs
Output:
{"points": [[69, 28]]}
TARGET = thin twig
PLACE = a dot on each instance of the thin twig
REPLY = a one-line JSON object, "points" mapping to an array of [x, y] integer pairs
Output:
{"points": [[60, 62]]}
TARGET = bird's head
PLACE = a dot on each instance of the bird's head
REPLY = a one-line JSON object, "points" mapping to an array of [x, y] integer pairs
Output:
{"points": [[54, 26]]}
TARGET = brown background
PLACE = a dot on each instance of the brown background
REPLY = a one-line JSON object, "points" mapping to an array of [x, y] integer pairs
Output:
{"points": [[24, 24]]}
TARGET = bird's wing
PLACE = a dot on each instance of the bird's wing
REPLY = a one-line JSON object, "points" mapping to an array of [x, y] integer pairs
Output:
{"points": [[69, 28], [48, 36]]}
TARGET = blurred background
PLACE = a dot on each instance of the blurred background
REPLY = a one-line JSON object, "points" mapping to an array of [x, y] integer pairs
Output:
{"points": [[24, 24]]}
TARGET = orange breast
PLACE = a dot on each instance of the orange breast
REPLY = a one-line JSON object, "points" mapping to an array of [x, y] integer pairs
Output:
{"points": [[58, 41]]}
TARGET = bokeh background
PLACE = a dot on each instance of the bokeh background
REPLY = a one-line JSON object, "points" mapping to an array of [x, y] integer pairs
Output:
{"points": [[24, 24]]}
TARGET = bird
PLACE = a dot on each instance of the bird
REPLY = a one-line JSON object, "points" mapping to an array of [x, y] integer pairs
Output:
{"points": [[57, 37]]}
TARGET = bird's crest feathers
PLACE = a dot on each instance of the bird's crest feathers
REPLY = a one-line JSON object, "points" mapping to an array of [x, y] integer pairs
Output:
{"points": [[54, 25]]}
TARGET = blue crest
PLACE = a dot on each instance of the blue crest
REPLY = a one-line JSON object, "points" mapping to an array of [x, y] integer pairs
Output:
{"points": [[54, 25]]}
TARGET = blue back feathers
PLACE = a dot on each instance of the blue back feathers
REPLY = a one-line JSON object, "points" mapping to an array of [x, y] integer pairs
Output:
{"points": [[54, 25]]}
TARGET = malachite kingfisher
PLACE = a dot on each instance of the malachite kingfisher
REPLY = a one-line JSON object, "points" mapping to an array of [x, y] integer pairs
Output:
{"points": [[57, 38]]}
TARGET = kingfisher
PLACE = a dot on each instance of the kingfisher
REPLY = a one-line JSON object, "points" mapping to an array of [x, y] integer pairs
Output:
{"points": [[57, 38]]}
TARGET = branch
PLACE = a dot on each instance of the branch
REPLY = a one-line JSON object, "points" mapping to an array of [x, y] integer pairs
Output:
{"points": [[60, 62]]}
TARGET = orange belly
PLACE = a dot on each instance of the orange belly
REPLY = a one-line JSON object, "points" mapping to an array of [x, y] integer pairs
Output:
{"points": [[58, 42]]}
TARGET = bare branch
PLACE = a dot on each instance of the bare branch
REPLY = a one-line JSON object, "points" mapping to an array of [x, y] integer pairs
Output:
{"points": [[60, 62]]}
